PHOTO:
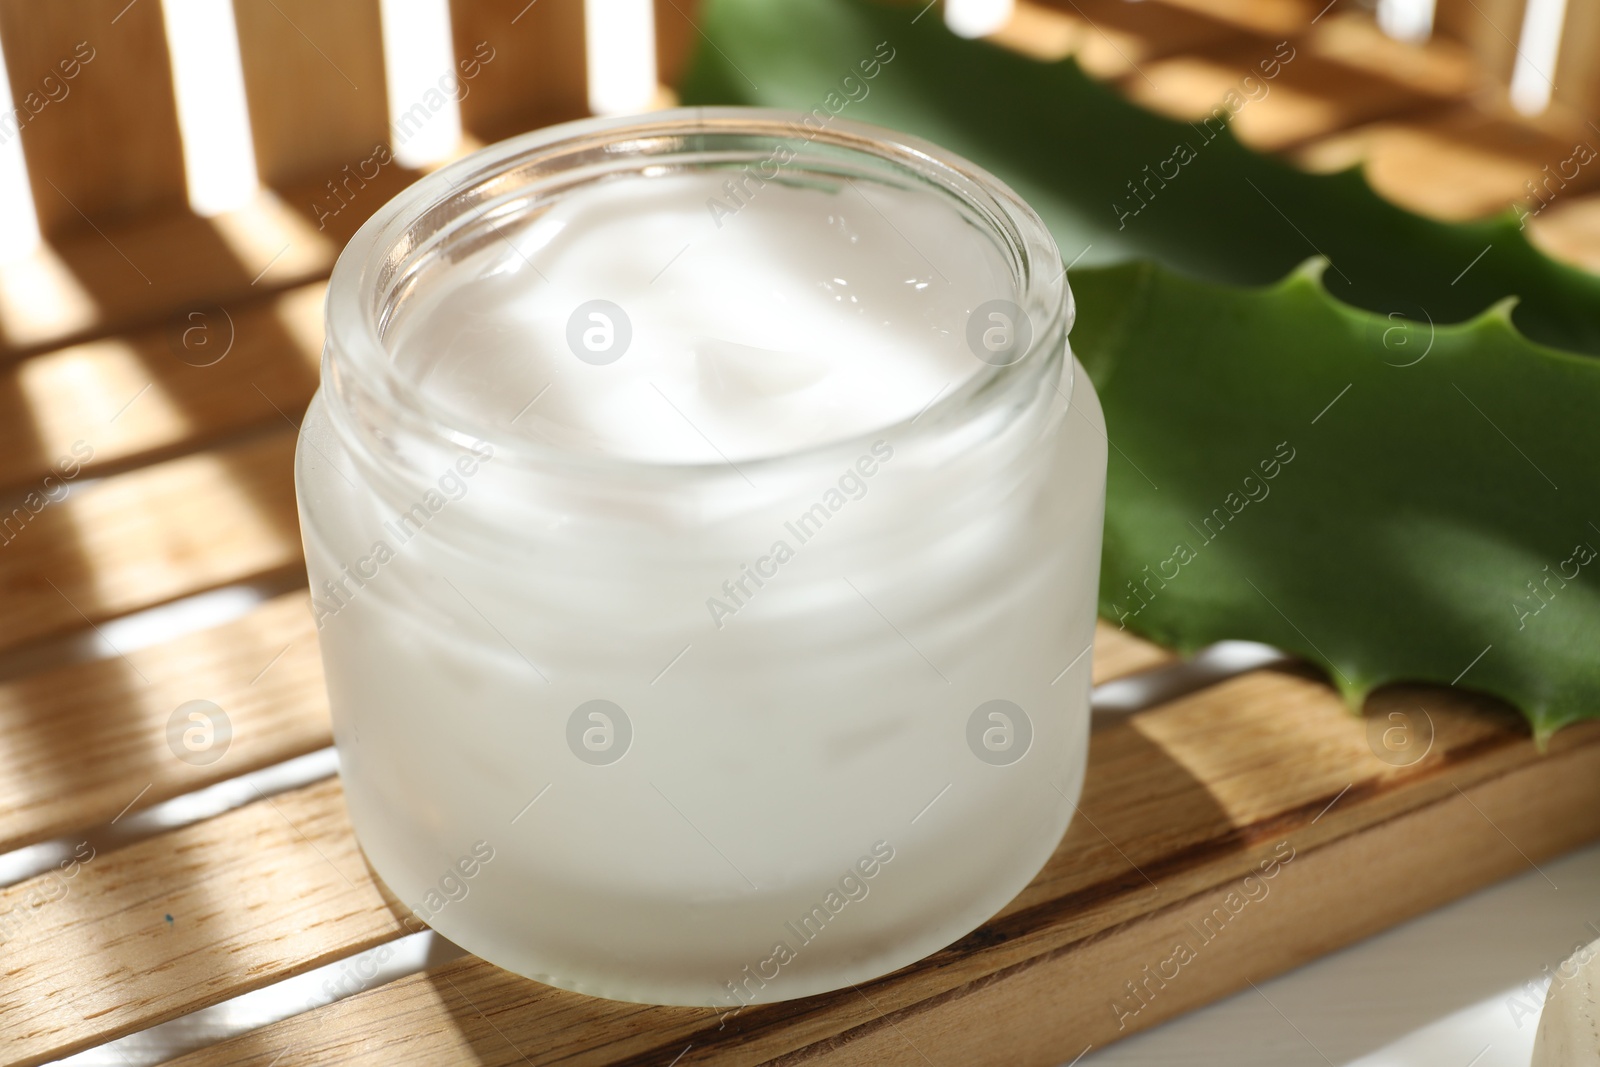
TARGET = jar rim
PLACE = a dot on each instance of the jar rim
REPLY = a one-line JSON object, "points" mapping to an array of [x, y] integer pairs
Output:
{"points": [[361, 373]]}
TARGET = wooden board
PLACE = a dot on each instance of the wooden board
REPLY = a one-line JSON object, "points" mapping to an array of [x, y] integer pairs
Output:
{"points": [[1183, 805], [187, 488]]}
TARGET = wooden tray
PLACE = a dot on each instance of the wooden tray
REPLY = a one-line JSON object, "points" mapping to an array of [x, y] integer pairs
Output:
{"points": [[1225, 834]]}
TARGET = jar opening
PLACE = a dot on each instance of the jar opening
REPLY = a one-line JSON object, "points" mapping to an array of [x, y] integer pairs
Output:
{"points": [[692, 289]]}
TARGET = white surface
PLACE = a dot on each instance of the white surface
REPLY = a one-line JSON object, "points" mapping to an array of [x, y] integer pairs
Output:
{"points": [[1436, 992]]}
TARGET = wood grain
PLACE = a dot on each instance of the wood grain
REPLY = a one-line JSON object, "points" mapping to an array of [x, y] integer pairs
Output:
{"points": [[1354, 887], [82, 742], [1182, 803], [207, 373], [313, 75], [260, 901], [148, 932], [103, 144], [1119, 652], [537, 73], [139, 539], [150, 270]]}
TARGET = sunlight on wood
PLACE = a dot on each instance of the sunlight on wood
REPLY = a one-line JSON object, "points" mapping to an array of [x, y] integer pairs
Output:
{"points": [[1406, 20], [1441, 68], [167, 530], [1282, 742], [620, 42], [218, 156], [40, 299], [273, 242], [103, 394], [1533, 76], [1039, 32], [425, 89], [976, 18], [19, 223]]}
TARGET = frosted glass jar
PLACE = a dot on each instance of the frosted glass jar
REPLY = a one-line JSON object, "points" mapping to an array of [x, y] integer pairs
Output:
{"points": [[705, 625]]}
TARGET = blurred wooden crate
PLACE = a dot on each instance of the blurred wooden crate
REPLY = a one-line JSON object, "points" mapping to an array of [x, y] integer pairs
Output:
{"points": [[150, 483]]}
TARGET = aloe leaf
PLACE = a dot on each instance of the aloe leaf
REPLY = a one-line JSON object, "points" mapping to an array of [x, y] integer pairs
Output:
{"points": [[1071, 147], [1392, 496], [1390, 500]]}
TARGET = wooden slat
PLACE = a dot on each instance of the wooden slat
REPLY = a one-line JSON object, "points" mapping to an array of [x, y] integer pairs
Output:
{"points": [[314, 79], [1311, 96], [1109, 38], [135, 540], [1460, 164], [676, 38], [148, 932], [84, 739], [1180, 804], [537, 73], [1570, 230], [1440, 67], [1356, 887], [109, 148], [255, 901], [82, 742], [1577, 72], [134, 398], [145, 271], [1268, 18], [1119, 652], [1489, 28]]}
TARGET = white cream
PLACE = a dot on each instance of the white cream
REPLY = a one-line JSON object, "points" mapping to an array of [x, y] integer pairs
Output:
{"points": [[667, 792], [752, 334]]}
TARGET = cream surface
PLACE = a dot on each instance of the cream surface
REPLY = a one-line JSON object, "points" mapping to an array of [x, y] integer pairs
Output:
{"points": [[809, 314]]}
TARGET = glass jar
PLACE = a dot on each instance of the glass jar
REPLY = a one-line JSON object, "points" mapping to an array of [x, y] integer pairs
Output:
{"points": [[718, 727]]}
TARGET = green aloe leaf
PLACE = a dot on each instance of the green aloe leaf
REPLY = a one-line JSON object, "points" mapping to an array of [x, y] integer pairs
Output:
{"points": [[1392, 501], [1394, 497], [1071, 147]]}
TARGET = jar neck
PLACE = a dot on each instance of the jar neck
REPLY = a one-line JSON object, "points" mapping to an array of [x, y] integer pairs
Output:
{"points": [[403, 440]]}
